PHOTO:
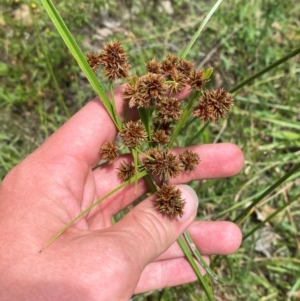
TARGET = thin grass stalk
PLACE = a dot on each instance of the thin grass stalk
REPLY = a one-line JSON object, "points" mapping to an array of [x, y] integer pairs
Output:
{"points": [[201, 261], [245, 212], [193, 264], [200, 29], [265, 70], [89, 208], [183, 119], [262, 223], [80, 58], [50, 69]]}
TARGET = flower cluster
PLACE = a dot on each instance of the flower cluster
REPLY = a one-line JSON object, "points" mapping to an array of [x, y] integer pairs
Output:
{"points": [[154, 94]]}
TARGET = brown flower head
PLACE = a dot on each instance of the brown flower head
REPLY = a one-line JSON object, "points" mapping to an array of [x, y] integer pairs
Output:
{"points": [[161, 137], [130, 94], [189, 160], [214, 105], [168, 201], [162, 163], [151, 87], [169, 63], [153, 66], [159, 125], [185, 67], [126, 171], [197, 80], [109, 150], [132, 133], [114, 59], [169, 109], [93, 61], [177, 81]]}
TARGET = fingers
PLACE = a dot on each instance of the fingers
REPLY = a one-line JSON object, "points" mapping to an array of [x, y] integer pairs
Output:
{"points": [[171, 268], [146, 233], [83, 135], [166, 273], [210, 238], [217, 161]]}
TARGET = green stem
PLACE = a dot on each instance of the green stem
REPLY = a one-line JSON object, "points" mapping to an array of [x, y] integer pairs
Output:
{"points": [[262, 223], [266, 192], [196, 35], [113, 102], [87, 210], [186, 114], [265, 70], [193, 264], [78, 55]]}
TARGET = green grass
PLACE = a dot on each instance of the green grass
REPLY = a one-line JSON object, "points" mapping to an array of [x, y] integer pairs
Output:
{"points": [[38, 77]]}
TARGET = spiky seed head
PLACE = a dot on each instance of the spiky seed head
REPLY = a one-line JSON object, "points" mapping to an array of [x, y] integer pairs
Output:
{"points": [[169, 109], [197, 80], [115, 61], [151, 87], [93, 61], [214, 105], [162, 163], [133, 133], [189, 160], [153, 66], [126, 171], [168, 201], [161, 137], [109, 151]]}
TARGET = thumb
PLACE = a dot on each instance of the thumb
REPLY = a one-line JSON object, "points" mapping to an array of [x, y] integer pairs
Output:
{"points": [[150, 233]]}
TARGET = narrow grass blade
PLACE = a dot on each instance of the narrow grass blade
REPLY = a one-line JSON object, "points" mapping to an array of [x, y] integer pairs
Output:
{"points": [[265, 70], [135, 161], [79, 56], [198, 32], [145, 116], [84, 212], [191, 260], [262, 223], [245, 212], [198, 256], [186, 114]]}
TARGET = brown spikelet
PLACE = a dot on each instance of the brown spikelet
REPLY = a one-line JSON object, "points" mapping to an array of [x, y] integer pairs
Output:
{"points": [[109, 151], [151, 87], [197, 80], [169, 109], [214, 105], [185, 67], [93, 61], [159, 125], [177, 81], [162, 163], [115, 61], [189, 160], [161, 137], [126, 171], [153, 66], [168, 201], [133, 133], [169, 63], [130, 94]]}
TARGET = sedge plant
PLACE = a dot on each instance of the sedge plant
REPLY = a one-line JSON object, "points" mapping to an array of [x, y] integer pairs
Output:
{"points": [[152, 96]]}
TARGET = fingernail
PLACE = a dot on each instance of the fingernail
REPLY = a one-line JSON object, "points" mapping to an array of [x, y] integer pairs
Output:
{"points": [[191, 205]]}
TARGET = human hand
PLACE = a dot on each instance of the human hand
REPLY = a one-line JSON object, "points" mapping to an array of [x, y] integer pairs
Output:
{"points": [[95, 260]]}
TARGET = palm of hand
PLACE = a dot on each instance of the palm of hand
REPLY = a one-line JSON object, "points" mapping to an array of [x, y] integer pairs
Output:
{"points": [[94, 260]]}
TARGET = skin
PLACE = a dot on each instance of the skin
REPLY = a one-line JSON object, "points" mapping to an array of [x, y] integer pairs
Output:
{"points": [[95, 260]]}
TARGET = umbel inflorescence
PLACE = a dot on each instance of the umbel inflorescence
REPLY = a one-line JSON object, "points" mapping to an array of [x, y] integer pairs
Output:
{"points": [[162, 114]]}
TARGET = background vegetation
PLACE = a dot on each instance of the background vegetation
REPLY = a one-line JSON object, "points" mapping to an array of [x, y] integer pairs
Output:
{"points": [[41, 86]]}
